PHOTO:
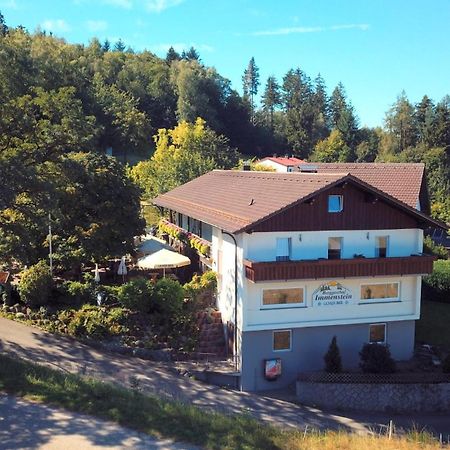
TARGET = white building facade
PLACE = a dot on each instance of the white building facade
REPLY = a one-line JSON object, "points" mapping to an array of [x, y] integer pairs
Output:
{"points": [[302, 268]]}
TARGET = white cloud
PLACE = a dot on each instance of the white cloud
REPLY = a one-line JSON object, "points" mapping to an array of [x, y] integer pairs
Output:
{"points": [[360, 26], [160, 5], [9, 4], [96, 25], [126, 4], [296, 30], [180, 46], [152, 6], [58, 25]]}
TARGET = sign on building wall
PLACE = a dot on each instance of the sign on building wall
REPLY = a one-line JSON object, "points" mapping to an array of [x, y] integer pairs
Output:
{"points": [[272, 368], [332, 294]]}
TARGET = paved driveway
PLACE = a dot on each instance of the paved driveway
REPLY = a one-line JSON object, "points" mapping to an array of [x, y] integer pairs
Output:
{"points": [[26, 425], [71, 356]]}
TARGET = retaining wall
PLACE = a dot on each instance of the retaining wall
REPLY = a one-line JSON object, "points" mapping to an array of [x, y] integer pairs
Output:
{"points": [[380, 397]]}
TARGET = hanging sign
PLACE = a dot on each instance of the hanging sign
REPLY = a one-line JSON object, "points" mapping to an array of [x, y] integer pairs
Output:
{"points": [[332, 294]]}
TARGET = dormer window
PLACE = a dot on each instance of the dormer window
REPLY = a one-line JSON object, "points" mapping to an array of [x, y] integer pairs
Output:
{"points": [[335, 203]]}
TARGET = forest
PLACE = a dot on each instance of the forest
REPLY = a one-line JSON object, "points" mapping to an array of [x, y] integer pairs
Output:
{"points": [[64, 106]]}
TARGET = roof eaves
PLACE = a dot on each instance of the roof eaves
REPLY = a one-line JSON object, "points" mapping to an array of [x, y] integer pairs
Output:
{"points": [[158, 201]]}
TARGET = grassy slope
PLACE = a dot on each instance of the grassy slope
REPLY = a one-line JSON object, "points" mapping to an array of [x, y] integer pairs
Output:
{"points": [[180, 422], [433, 326]]}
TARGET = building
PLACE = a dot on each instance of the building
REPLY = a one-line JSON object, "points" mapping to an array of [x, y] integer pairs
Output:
{"points": [[303, 257], [281, 164]]}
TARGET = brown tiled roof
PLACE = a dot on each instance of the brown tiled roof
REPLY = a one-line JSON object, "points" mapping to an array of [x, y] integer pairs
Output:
{"points": [[233, 200], [236, 200], [401, 181], [4, 277]]}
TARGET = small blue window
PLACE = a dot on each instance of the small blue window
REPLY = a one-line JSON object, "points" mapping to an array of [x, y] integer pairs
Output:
{"points": [[335, 203]]}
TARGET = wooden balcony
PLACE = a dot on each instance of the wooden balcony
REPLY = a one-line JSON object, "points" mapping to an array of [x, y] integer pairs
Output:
{"points": [[338, 268]]}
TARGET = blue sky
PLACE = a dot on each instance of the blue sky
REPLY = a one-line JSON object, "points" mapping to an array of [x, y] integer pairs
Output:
{"points": [[375, 47]]}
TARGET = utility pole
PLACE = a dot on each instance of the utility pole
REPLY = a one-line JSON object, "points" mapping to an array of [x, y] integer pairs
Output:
{"points": [[50, 250]]}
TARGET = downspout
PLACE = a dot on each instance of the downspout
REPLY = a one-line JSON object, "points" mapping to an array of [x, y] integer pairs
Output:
{"points": [[235, 298]]}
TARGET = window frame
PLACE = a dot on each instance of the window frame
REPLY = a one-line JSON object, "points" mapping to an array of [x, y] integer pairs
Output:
{"points": [[284, 305], [283, 349], [384, 324], [341, 203], [380, 300]]}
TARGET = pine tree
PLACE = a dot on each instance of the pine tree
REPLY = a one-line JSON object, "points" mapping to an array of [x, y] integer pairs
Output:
{"points": [[401, 123], [192, 55], [3, 26], [299, 111], [172, 55], [343, 118], [425, 119], [321, 127], [250, 81], [106, 47], [338, 104], [333, 362], [119, 46], [442, 124], [271, 98]]}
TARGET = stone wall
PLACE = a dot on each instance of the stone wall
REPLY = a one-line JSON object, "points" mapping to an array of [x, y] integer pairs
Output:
{"points": [[401, 398]]}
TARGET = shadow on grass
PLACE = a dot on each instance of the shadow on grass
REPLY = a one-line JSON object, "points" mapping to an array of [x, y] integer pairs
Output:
{"points": [[132, 409]]}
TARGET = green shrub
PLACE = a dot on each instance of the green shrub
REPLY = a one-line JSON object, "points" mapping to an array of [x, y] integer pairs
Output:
{"points": [[79, 293], [376, 358], [136, 295], [94, 321], [333, 362], [35, 286], [446, 364], [434, 249], [112, 293], [167, 298], [436, 286], [201, 290]]}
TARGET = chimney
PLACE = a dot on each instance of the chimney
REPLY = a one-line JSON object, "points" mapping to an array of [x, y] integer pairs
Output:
{"points": [[246, 166]]}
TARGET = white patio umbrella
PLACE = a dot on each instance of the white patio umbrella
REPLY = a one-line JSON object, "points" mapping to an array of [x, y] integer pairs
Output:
{"points": [[122, 270], [96, 274], [163, 259], [151, 245]]}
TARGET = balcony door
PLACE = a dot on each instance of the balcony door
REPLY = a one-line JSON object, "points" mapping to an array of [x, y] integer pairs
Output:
{"points": [[334, 248], [381, 246]]}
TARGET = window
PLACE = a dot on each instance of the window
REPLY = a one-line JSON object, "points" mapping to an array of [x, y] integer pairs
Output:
{"points": [[282, 297], [283, 249], [334, 247], [381, 246], [382, 291], [180, 220], [282, 340], [377, 333], [335, 203]]}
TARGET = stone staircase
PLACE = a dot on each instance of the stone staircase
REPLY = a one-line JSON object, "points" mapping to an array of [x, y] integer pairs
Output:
{"points": [[212, 337]]}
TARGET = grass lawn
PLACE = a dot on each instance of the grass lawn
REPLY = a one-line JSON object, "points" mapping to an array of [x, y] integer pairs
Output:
{"points": [[433, 326], [178, 421]]}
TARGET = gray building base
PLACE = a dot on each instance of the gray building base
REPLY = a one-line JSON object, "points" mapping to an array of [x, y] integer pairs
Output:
{"points": [[309, 346]]}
